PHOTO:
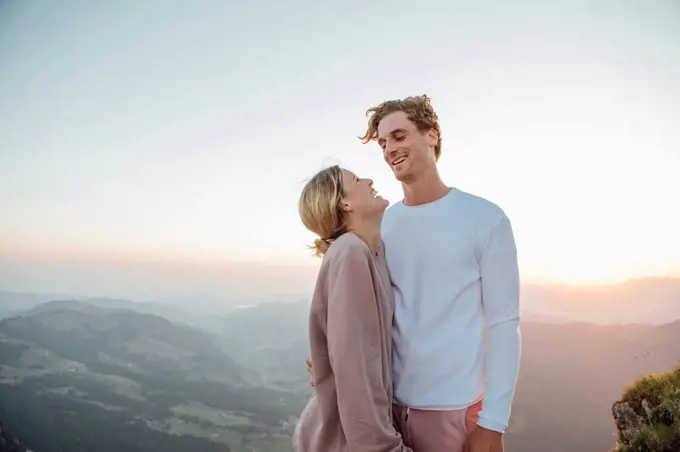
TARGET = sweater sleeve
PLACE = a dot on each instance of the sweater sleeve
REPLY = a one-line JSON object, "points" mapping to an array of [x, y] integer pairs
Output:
{"points": [[353, 330], [500, 300]]}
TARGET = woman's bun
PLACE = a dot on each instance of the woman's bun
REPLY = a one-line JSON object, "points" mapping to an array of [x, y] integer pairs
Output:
{"points": [[321, 246]]}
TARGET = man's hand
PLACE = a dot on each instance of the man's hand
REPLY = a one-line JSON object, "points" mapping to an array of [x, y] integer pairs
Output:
{"points": [[309, 369], [484, 440]]}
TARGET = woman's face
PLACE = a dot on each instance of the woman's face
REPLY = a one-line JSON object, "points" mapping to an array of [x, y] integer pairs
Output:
{"points": [[359, 196]]}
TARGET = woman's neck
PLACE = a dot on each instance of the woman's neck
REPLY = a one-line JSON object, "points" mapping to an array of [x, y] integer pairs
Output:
{"points": [[369, 232]]}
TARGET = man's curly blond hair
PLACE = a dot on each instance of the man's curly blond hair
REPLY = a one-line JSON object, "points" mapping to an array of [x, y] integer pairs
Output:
{"points": [[418, 110]]}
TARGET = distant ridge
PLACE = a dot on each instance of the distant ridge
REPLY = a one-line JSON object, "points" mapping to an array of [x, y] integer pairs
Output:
{"points": [[646, 300]]}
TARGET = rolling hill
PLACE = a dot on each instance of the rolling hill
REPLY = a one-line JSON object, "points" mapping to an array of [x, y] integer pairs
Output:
{"points": [[123, 341], [73, 374], [17, 303]]}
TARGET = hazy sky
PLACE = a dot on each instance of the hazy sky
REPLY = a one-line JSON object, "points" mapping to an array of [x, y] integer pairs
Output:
{"points": [[140, 133]]}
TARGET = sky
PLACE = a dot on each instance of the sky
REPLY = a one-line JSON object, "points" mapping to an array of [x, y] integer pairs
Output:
{"points": [[158, 148]]}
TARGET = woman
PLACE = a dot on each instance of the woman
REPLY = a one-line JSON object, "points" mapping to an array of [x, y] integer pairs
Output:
{"points": [[350, 320]]}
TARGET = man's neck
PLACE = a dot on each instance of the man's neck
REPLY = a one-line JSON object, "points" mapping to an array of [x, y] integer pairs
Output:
{"points": [[426, 189]]}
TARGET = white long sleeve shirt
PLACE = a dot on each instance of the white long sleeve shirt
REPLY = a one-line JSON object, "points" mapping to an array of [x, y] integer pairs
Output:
{"points": [[453, 267]]}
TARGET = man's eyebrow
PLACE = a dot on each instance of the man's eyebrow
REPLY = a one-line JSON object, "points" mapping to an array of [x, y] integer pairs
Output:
{"points": [[393, 132]]}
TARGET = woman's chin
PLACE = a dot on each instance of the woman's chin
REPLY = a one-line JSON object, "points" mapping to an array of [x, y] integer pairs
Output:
{"points": [[384, 204]]}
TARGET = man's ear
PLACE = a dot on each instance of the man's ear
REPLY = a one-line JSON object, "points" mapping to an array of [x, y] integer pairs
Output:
{"points": [[432, 137]]}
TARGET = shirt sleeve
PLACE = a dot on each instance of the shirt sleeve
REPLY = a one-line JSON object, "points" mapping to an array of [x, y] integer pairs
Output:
{"points": [[353, 329], [500, 300]]}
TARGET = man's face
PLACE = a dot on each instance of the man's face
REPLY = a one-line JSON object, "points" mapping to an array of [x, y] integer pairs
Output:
{"points": [[407, 150]]}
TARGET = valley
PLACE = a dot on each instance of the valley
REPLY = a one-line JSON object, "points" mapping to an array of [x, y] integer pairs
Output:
{"points": [[84, 368]]}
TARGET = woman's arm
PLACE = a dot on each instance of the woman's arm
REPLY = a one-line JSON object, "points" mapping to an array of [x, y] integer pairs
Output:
{"points": [[355, 355]]}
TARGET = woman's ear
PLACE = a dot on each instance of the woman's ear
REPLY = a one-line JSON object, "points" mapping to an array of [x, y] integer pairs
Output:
{"points": [[345, 206]]}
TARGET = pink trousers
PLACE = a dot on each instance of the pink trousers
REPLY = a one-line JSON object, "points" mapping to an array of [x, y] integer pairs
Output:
{"points": [[436, 431]]}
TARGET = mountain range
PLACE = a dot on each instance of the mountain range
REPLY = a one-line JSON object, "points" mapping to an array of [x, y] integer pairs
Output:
{"points": [[646, 300], [117, 375]]}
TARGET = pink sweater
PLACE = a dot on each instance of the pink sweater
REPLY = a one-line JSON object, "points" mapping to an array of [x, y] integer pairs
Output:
{"points": [[350, 333]]}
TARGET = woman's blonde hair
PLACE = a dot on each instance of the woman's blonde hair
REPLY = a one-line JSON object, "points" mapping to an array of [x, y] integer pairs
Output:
{"points": [[321, 210]]}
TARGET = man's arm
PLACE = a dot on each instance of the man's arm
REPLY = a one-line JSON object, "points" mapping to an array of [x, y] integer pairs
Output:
{"points": [[354, 347], [500, 300]]}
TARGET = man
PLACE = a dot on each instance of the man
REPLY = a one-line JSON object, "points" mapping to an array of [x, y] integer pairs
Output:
{"points": [[453, 266]]}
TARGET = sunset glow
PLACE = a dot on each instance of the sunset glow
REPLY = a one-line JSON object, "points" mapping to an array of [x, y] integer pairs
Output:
{"points": [[194, 152]]}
